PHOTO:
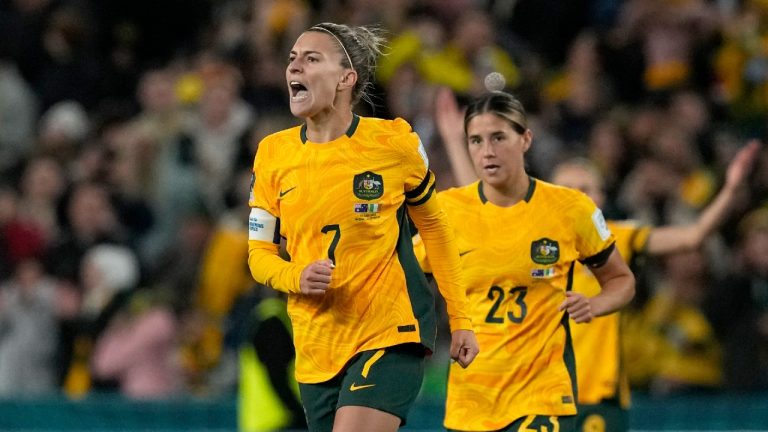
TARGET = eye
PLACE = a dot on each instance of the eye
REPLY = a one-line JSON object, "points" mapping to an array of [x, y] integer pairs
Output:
{"points": [[474, 140], [312, 59], [291, 58]]}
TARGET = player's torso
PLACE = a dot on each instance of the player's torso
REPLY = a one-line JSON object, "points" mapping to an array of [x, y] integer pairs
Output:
{"points": [[516, 262], [339, 200], [344, 201]]}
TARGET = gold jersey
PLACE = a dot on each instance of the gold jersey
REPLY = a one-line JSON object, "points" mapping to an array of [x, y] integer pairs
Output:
{"points": [[345, 200], [599, 370], [518, 263]]}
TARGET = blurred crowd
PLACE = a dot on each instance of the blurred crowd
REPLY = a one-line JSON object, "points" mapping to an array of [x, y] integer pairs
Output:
{"points": [[128, 129]]}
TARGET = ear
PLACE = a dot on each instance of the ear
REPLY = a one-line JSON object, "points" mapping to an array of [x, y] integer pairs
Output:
{"points": [[527, 140], [348, 80]]}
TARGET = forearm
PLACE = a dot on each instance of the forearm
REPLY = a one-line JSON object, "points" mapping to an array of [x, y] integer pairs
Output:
{"points": [[443, 254], [617, 285], [269, 269], [616, 293], [678, 238]]}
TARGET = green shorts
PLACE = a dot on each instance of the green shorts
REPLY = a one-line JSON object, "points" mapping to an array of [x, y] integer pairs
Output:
{"points": [[387, 379], [605, 416]]}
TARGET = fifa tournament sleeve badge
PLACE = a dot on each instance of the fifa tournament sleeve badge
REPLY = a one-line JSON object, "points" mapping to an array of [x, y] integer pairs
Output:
{"points": [[545, 251], [368, 186]]}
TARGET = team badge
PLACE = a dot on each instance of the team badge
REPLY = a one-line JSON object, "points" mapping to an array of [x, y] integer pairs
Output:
{"points": [[545, 251], [368, 186]]}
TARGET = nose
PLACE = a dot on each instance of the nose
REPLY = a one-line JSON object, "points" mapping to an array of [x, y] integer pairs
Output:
{"points": [[487, 149], [294, 66]]}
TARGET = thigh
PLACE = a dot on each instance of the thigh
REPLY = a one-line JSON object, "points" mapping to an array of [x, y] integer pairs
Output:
{"points": [[606, 416], [387, 380], [320, 402], [542, 423]]}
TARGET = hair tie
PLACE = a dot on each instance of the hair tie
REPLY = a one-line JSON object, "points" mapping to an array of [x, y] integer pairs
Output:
{"points": [[349, 59]]}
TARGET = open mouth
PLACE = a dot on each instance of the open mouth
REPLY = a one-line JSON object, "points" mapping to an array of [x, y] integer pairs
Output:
{"points": [[491, 168], [298, 91]]}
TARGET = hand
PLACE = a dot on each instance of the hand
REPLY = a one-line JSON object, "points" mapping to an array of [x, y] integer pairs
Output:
{"points": [[316, 277], [578, 307], [742, 163], [464, 347], [449, 119]]}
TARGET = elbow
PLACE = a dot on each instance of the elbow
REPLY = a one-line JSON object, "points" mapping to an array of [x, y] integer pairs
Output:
{"points": [[628, 289]]}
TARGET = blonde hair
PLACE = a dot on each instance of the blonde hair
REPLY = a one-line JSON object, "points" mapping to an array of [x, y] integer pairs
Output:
{"points": [[361, 47]]}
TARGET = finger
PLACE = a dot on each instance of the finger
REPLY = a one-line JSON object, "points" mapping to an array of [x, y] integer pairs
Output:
{"points": [[466, 357], [454, 350], [326, 263], [320, 269], [318, 278], [315, 291]]}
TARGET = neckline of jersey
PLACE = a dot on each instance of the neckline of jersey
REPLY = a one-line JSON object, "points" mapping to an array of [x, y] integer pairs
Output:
{"points": [[350, 131], [526, 198]]}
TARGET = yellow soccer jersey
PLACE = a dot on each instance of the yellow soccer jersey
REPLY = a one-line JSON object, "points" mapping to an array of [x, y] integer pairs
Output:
{"points": [[346, 200], [599, 370], [518, 263]]}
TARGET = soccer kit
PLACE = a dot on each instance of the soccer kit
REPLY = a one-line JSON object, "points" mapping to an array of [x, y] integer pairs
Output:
{"points": [[518, 263], [346, 200], [597, 344]]}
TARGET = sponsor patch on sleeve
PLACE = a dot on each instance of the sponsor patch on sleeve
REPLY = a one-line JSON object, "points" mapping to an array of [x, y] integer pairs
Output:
{"points": [[602, 228], [261, 225], [423, 153]]}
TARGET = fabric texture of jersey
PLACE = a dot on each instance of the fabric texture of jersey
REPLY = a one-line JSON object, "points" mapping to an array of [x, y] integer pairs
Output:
{"points": [[597, 345], [518, 262], [346, 200]]}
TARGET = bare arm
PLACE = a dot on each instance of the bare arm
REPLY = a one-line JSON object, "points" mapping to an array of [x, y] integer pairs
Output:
{"points": [[449, 120], [617, 285], [676, 238]]}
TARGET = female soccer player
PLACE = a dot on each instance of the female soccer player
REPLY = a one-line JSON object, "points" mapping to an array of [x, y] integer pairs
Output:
{"points": [[604, 398], [339, 189], [519, 238]]}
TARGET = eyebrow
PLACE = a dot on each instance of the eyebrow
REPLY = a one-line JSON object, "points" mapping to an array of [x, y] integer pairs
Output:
{"points": [[294, 52]]}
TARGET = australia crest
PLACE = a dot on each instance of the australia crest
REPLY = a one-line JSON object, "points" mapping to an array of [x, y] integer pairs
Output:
{"points": [[545, 251], [368, 186]]}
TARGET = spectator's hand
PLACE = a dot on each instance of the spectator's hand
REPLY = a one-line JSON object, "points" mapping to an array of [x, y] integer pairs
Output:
{"points": [[578, 307], [449, 119], [464, 347], [316, 277], [742, 164]]}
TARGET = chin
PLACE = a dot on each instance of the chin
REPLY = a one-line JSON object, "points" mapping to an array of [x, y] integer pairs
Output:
{"points": [[301, 110]]}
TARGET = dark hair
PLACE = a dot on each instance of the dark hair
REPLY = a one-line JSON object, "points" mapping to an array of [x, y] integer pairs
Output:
{"points": [[503, 105], [360, 48]]}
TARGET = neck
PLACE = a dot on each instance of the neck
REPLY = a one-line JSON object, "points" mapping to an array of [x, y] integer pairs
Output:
{"points": [[508, 194], [328, 126]]}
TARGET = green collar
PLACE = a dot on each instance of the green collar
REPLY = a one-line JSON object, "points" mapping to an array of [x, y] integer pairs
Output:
{"points": [[350, 131]]}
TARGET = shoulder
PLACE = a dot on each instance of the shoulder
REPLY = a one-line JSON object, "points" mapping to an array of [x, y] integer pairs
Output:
{"points": [[393, 136], [553, 191], [626, 225], [397, 126], [570, 203], [290, 135], [460, 196]]}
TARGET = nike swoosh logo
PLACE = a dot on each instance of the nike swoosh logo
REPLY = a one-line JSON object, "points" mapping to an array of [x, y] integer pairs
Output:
{"points": [[354, 387], [461, 254], [283, 193]]}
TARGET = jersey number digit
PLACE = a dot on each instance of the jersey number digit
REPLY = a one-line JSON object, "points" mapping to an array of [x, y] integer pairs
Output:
{"points": [[334, 242], [497, 295]]}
